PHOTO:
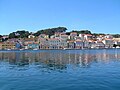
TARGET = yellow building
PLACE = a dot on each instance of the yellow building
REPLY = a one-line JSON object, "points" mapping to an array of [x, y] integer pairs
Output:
{"points": [[0, 45], [7, 45], [116, 39]]}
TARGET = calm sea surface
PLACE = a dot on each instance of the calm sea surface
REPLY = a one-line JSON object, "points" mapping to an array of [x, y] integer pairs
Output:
{"points": [[60, 70]]}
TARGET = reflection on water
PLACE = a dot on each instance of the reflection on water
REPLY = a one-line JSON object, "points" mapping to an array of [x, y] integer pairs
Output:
{"points": [[60, 70], [56, 60]]}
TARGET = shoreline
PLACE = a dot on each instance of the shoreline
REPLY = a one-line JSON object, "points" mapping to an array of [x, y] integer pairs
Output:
{"points": [[60, 49]]}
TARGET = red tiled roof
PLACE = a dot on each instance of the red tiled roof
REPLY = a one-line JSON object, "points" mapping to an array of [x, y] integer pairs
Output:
{"points": [[78, 40], [88, 34]]}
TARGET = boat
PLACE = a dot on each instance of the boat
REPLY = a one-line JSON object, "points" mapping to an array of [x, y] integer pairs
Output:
{"points": [[8, 49], [21, 49], [35, 49]]}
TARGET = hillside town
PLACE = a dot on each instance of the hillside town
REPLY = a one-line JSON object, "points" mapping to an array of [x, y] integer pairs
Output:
{"points": [[60, 40]]}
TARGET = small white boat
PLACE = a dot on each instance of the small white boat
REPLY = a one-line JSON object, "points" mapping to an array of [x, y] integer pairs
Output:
{"points": [[21, 49], [117, 47], [8, 49], [35, 49]]}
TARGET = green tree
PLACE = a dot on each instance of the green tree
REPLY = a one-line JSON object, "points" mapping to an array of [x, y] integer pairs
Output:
{"points": [[1, 36], [19, 34], [82, 32], [12, 35], [85, 32], [116, 35], [50, 31]]}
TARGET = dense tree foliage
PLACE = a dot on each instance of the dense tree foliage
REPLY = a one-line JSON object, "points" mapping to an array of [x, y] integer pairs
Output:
{"points": [[68, 33], [85, 32], [0, 36], [116, 35], [19, 34], [82, 31], [50, 31]]}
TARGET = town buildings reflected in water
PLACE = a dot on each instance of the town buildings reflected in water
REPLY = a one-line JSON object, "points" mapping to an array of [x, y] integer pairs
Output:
{"points": [[56, 59]]}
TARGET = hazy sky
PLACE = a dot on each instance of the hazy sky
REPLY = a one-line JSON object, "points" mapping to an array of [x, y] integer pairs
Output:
{"points": [[99, 16]]}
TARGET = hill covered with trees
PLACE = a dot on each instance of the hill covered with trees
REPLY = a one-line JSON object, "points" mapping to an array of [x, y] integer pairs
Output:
{"points": [[19, 34], [51, 31], [24, 34]]}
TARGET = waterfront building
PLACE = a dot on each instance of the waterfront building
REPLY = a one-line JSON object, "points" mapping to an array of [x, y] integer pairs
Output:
{"points": [[108, 43], [72, 35], [34, 45], [116, 39], [63, 44], [60, 41], [43, 42], [26, 41], [78, 44], [18, 45], [99, 44], [85, 43], [71, 44], [7, 45], [0, 45], [54, 43], [92, 44]]}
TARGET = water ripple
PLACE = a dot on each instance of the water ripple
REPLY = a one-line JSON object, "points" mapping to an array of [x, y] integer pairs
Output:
{"points": [[56, 70]]}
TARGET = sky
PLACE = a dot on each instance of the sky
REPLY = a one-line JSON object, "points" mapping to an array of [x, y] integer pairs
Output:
{"points": [[98, 16]]}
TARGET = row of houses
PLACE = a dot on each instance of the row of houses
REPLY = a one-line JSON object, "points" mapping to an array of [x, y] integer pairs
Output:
{"points": [[61, 41]]}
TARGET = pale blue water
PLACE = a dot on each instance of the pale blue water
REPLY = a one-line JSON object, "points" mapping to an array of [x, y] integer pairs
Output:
{"points": [[60, 70]]}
